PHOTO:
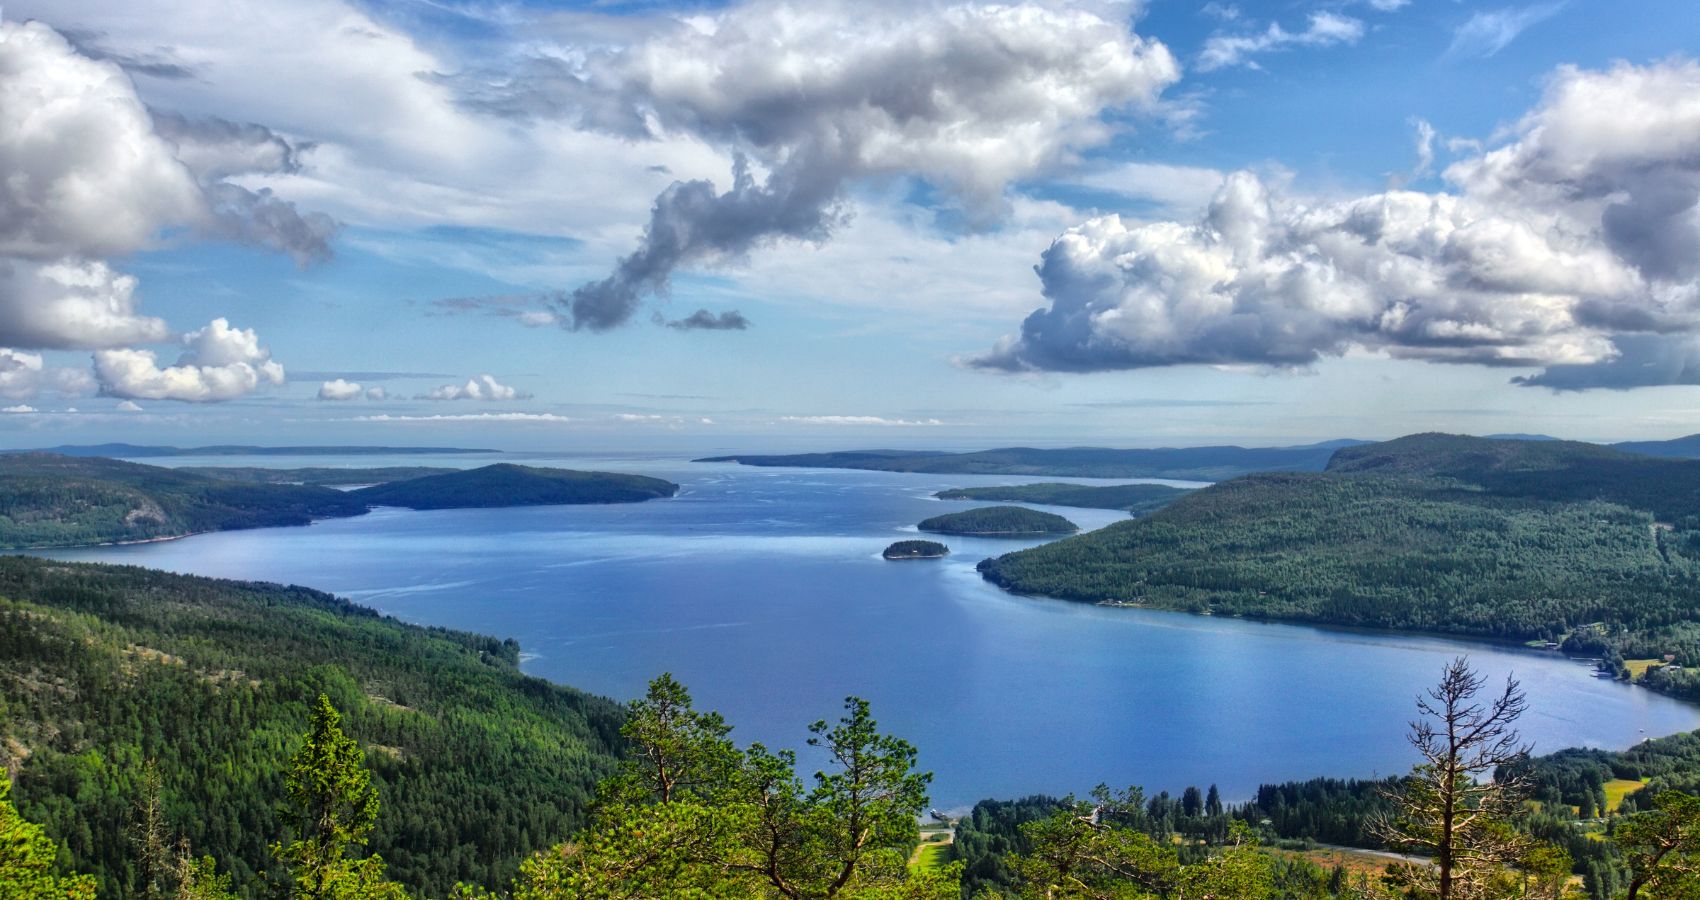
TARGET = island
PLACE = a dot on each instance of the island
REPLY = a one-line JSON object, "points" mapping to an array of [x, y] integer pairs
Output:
{"points": [[1137, 499], [999, 521], [321, 475], [506, 484], [1181, 463], [916, 550]]}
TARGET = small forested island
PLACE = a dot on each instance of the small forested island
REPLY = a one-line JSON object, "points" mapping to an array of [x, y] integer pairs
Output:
{"points": [[999, 521], [916, 550], [506, 484], [1134, 498]]}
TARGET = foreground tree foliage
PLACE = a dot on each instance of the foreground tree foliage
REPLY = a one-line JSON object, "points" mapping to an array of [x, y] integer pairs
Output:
{"points": [[29, 859], [690, 815]]}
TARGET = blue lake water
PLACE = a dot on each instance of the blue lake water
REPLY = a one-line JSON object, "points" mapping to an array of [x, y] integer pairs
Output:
{"points": [[763, 590]]}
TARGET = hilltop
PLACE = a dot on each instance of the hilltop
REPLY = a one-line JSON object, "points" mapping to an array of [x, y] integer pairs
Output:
{"points": [[506, 484], [1443, 533]]}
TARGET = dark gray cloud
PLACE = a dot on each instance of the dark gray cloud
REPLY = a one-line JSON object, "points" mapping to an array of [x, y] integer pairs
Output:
{"points": [[1642, 360], [217, 149], [691, 223], [703, 320], [967, 98]]}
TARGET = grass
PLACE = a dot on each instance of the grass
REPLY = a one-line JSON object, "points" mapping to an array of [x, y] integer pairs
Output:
{"points": [[1639, 667], [1619, 788], [930, 856]]}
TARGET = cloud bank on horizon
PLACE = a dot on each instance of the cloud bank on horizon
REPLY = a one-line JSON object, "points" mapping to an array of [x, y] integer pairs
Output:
{"points": [[1573, 246]]}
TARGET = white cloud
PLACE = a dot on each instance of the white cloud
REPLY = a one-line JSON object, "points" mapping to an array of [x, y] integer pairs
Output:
{"points": [[376, 393], [19, 409], [478, 387], [1580, 231], [1176, 190], [23, 376], [71, 304], [128, 406], [467, 417], [218, 363], [1490, 31], [1325, 29], [338, 389], [878, 421]]}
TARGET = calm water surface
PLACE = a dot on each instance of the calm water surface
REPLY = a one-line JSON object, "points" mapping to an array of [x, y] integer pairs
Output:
{"points": [[764, 591]]}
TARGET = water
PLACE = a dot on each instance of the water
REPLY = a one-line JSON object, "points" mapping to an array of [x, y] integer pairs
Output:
{"points": [[763, 590]]}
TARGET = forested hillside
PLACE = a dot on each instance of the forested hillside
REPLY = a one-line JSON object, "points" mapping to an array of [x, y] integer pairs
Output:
{"points": [[60, 501], [1185, 463], [103, 668], [321, 475], [1513, 539]]}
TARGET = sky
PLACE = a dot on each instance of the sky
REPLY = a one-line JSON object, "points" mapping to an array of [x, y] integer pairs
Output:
{"points": [[771, 225]]}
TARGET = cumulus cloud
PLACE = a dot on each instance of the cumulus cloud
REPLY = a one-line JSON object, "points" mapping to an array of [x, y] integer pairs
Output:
{"points": [[1490, 31], [1579, 231], [338, 389], [128, 406], [24, 375], [1324, 29], [218, 363], [479, 387], [703, 320], [376, 393], [967, 97], [19, 410], [71, 304]]}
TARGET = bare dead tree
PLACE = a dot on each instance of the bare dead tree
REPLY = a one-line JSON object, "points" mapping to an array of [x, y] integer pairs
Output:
{"points": [[1452, 808]]}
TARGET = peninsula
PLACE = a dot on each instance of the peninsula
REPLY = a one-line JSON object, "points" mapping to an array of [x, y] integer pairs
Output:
{"points": [[999, 521]]}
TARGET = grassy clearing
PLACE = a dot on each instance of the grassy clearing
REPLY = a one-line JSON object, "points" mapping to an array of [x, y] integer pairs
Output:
{"points": [[1619, 788], [930, 856], [1639, 667]]}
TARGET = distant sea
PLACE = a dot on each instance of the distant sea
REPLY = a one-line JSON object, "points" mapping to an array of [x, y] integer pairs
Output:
{"points": [[764, 591]]}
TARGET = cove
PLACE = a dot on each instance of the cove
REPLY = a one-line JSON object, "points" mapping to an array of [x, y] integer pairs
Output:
{"points": [[764, 591]]}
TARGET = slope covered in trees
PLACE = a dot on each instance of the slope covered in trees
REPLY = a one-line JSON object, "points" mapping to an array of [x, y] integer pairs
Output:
{"points": [[999, 521], [58, 501], [103, 668], [1135, 498], [505, 484], [1432, 532]]}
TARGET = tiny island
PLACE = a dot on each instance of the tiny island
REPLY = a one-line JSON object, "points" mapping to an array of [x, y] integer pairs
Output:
{"points": [[917, 550], [999, 521]]}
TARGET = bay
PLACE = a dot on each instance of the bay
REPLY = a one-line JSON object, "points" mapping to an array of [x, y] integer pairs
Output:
{"points": [[763, 590]]}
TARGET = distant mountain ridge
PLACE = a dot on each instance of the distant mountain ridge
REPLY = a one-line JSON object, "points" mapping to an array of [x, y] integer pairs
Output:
{"points": [[140, 451], [1175, 463]]}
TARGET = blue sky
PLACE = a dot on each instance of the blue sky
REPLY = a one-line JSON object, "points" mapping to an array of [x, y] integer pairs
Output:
{"points": [[962, 226]]}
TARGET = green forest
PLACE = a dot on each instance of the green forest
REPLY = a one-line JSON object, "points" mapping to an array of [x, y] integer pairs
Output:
{"points": [[916, 550], [105, 668], [1137, 499], [505, 484], [320, 475], [1182, 463], [1510, 539], [999, 521]]}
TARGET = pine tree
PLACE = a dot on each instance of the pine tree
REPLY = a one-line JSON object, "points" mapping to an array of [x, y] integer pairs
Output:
{"points": [[333, 807]]}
